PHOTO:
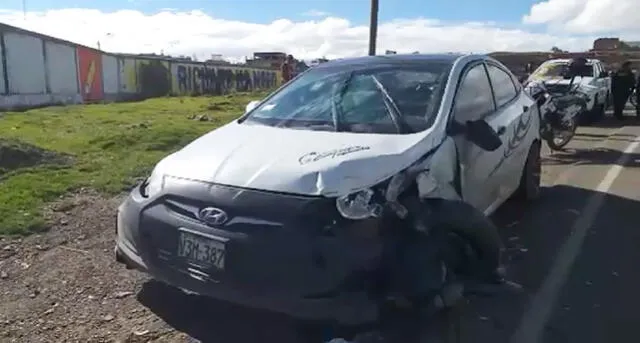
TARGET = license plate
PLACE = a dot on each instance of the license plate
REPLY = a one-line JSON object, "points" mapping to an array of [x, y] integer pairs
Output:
{"points": [[201, 250]]}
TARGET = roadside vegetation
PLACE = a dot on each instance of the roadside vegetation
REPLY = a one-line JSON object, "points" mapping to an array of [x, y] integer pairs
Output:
{"points": [[47, 152]]}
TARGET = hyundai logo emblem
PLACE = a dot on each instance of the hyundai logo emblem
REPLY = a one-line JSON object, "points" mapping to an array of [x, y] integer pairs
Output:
{"points": [[213, 216]]}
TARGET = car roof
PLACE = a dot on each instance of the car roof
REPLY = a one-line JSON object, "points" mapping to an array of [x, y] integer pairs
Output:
{"points": [[566, 60], [390, 59]]}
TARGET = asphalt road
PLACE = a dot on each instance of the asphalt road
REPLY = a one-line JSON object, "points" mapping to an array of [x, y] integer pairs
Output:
{"points": [[574, 251]]}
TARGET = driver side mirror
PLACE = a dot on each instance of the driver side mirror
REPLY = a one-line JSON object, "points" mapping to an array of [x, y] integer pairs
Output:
{"points": [[603, 74], [251, 105], [480, 133]]}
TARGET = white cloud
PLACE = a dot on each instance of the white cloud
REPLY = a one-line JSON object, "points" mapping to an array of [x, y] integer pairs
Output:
{"points": [[195, 32], [315, 13], [588, 16]]}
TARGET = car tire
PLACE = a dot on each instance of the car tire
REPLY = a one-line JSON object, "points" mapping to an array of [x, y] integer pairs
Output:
{"points": [[594, 115], [529, 188], [599, 110]]}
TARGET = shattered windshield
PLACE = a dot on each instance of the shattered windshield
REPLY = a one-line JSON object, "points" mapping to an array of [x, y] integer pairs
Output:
{"points": [[385, 99], [555, 70]]}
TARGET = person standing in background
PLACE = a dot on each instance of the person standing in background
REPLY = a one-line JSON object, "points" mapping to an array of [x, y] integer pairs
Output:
{"points": [[637, 95], [287, 69], [622, 84]]}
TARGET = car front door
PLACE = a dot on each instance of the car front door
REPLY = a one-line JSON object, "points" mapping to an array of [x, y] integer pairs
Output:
{"points": [[602, 82], [515, 113], [474, 101]]}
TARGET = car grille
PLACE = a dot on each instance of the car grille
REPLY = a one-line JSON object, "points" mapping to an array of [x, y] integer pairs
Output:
{"points": [[251, 211], [259, 223]]}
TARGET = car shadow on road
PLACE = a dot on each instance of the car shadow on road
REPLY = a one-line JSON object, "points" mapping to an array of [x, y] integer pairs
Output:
{"points": [[211, 321]]}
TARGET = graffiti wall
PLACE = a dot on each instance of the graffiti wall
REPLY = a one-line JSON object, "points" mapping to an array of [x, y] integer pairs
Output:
{"points": [[37, 70], [153, 78], [202, 79], [110, 75], [90, 74], [128, 79], [2, 67]]}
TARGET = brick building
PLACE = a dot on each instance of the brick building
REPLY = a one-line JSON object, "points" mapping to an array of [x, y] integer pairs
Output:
{"points": [[604, 44]]}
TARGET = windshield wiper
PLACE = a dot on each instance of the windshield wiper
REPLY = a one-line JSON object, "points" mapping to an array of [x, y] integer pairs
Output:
{"points": [[335, 112], [390, 105]]}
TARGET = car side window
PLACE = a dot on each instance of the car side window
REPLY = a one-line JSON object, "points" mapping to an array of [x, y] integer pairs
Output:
{"points": [[600, 69], [473, 100], [503, 87]]}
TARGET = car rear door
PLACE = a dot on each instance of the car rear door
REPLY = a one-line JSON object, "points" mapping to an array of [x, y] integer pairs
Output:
{"points": [[474, 101], [514, 116]]}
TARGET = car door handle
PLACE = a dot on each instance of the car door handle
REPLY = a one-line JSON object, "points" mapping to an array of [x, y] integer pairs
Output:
{"points": [[501, 130]]}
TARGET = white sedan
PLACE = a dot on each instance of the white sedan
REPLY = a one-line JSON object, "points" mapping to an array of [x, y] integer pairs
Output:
{"points": [[595, 83], [285, 207]]}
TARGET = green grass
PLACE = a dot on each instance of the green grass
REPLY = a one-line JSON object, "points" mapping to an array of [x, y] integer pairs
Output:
{"points": [[112, 145]]}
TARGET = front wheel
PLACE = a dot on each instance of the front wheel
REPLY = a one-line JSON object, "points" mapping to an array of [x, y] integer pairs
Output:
{"points": [[558, 139], [529, 188], [594, 115]]}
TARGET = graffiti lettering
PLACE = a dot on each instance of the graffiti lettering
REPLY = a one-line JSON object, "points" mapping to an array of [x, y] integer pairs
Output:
{"points": [[217, 80], [90, 74]]}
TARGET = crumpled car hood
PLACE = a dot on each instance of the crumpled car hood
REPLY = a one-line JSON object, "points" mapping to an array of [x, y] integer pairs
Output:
{"points": [[295, 161]]}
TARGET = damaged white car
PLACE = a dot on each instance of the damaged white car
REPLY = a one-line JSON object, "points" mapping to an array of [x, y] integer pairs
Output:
{"points": [[594, 83], [359, 182]]}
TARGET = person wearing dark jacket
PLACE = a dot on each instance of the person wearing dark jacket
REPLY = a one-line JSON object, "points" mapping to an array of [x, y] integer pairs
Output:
{"points": [[287, 69], [637, 95], [622, 84]]}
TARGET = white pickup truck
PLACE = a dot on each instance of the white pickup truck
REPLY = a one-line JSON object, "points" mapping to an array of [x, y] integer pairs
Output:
{"points": [[596, 84]]}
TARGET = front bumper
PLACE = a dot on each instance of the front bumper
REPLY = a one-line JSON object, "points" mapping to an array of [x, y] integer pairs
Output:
{"points": [[288, 279]]}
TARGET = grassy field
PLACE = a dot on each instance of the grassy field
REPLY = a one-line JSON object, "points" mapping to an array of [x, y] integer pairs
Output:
{"points": [[105, 147]]}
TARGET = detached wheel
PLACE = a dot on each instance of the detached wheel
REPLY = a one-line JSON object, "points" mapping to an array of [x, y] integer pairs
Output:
{"points": [[529, 189]]}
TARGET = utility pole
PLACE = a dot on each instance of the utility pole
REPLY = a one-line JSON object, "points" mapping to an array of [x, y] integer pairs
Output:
{"points": [[373, 27]]}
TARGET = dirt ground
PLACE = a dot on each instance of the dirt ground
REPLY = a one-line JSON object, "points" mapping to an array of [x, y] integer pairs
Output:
{"points": [[63, 285], [15, 154]]}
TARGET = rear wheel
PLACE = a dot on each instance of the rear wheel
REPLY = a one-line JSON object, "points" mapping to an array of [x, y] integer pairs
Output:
{"points": [[598, 110], [529, 189]]}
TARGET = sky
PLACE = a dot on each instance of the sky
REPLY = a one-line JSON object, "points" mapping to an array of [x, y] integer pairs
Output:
{"points": [[325, 28]]}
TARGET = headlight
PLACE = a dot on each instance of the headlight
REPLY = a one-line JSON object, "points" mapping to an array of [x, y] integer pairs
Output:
{"points": [[152, 185], [358, 205]]}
